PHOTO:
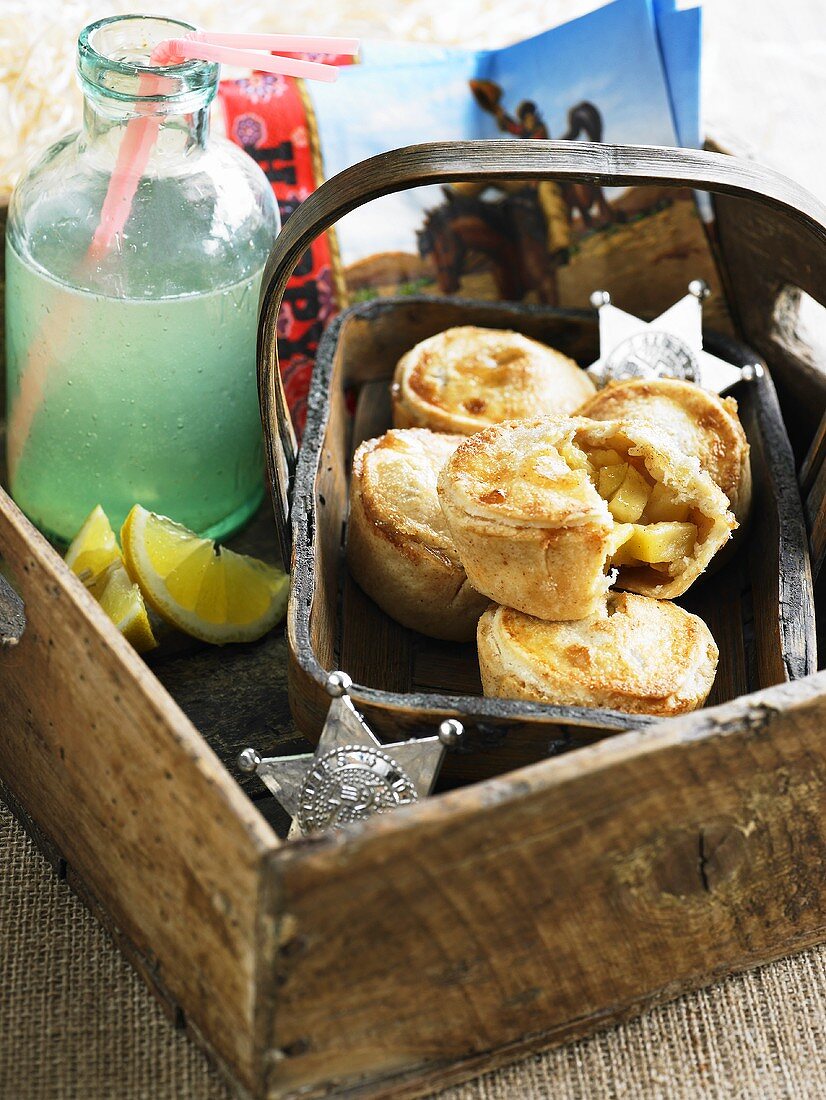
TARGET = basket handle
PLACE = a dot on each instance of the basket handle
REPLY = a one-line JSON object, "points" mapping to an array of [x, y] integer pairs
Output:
{"points": [[498, 159]]}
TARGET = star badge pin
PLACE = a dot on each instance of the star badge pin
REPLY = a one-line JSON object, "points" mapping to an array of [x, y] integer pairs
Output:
{"points": [[351, 775], [669, 347]]}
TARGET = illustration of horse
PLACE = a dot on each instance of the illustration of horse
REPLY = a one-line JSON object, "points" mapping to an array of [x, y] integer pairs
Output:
{"points": [[510, 232], [585, 118]]}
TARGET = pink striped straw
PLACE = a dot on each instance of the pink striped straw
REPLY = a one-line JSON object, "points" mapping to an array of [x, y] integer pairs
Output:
{"points": [[278, 43], [245, 50]]}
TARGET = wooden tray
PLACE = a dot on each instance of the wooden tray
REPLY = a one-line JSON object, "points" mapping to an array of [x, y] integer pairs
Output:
{"points": [[403, 679], [426, 946]]}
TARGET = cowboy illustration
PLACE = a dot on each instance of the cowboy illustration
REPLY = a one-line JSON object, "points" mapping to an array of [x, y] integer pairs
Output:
{"points": [[527, 233], [559, 202]]}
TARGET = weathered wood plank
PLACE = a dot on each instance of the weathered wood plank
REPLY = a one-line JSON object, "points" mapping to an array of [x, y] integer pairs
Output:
{"points": [[722, 602], [553, 900], [124, 786], [814, 459], [816, 515], [768, 262], [778, 551], [237, 697], [813, 487]]}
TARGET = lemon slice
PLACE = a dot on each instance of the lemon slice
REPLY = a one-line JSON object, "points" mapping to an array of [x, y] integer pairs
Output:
{"points": [[123, 603], [208, 591], [93, 549]]}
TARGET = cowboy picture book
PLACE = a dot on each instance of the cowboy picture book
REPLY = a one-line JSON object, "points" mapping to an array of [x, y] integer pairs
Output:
{"points": [[627, 72]]}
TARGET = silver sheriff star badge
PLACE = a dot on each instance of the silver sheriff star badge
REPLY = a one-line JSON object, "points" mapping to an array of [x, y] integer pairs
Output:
{"points": [[669, 347], [351, 775]]}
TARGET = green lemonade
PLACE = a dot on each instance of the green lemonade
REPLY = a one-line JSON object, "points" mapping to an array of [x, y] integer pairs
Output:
{"points": [[128, 400]]}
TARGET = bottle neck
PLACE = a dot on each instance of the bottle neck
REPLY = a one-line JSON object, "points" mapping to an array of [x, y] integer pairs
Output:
{"points": [[178, 132], [122, 85]]}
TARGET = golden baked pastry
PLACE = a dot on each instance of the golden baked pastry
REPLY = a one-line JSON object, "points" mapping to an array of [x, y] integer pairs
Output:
{"points": [[634, 654], [545, 512], [399, 548], [700, 423], [466, 378]]}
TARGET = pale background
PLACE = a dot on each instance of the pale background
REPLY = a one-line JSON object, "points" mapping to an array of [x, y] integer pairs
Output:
{"points": [[75, 1021]]}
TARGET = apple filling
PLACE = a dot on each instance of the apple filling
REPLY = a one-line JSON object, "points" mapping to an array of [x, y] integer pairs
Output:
{"points": [[652, 527]]}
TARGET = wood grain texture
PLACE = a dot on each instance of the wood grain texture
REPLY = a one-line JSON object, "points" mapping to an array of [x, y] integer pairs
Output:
{"points": [[556, 899], [761, 614], [768, 263], [813, 486], [129, 793], [778, 563], [814, 459], [816, 512], [235, 695]]}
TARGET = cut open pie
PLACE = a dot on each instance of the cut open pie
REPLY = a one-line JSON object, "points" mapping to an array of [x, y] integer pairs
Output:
{"points": [[698, 422], [547, 513]]}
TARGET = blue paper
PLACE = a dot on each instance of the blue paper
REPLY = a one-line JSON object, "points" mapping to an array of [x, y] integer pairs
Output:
{"points": [[679, 31]]}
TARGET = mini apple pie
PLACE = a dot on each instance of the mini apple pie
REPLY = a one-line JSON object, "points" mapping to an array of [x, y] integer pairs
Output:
{"points": [[634, 654], [466, 378], [699, 423], [399, 548], [547, 513]]}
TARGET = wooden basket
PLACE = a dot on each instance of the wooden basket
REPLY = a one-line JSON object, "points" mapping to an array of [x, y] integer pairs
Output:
{"points": [[425, 946], [406, 681]]}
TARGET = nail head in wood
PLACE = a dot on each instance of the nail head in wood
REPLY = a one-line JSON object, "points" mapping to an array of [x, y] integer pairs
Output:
{"points": [[338, 684], [450, 732], [248, 761], [699, 288]]}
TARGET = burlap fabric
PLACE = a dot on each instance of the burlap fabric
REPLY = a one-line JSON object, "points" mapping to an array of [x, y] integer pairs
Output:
{"points": [[77, 1024]]}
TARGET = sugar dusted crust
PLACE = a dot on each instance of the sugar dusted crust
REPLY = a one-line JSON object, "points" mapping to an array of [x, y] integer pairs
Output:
{"points": [[466, 378], [634, 654], [395, 476], [399, 547], [533, 532]]}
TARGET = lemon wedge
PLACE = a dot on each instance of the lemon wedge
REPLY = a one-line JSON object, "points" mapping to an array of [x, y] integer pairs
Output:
{"points": [[203, 589], [123, 603], [94, 557], [93, 549]]}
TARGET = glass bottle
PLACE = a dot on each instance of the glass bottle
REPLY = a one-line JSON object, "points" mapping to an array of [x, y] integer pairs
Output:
{"points": [[131, 374]]}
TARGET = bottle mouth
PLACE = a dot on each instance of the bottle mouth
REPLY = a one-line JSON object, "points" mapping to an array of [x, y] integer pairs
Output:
{"points": [[113, 61]]}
